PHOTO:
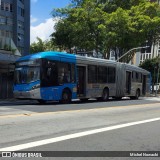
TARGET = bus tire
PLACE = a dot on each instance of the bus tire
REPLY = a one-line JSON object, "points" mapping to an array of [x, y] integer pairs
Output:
{"points": [[105, 95], [66, 96], [84, 99], [137, 94], [41, 101], [99, 99], [118, 98]]}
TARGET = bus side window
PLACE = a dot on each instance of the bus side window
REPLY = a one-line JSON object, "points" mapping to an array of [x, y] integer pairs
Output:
{"points": [[67, 74], [64, 73], [66, 77], [111, 75], [137, 77], [73, 75], [133, 76], [60, 75], [102, 74], [92, 74], [49, 74]]}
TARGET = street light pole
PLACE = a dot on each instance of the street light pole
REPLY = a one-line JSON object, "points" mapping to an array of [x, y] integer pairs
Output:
{"points": [[157, 80], [130, 51]]}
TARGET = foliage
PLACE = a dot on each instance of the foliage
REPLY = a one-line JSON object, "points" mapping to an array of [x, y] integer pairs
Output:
{"points": [[152, 66], [41, 46], [102, 25]]}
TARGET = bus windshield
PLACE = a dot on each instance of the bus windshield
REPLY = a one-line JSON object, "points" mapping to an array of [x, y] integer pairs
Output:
{"points": [[26, 74]]}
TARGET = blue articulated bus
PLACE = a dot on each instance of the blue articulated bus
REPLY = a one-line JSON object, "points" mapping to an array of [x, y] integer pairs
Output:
{"points": [[58, 76]]}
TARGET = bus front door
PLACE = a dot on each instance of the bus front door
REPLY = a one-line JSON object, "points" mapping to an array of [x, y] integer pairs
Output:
{"points": [[81, 88]]}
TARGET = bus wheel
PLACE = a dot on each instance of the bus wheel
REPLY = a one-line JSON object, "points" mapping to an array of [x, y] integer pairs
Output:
{"points": [[105, 95], [118, 98], [66, 97], [41, 101], [84, 99], [137, 94]]}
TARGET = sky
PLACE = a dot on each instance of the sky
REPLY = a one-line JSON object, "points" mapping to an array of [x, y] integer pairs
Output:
{"points": [[42, 22]]}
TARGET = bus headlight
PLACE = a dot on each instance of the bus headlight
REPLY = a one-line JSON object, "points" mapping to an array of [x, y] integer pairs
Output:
{"points": [[36, 86]]}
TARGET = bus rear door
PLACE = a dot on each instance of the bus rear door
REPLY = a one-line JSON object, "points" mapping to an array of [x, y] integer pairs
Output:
{"points": [[128, 82], [81, 88], [144, 83]]}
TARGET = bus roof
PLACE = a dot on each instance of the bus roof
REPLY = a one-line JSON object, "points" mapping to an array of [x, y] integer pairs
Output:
{"points": [[135, 68], [72, 58], [47, 54]]}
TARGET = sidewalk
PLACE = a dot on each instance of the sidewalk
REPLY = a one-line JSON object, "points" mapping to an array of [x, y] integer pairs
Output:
{"points": [[153, 95], [13, 100]]}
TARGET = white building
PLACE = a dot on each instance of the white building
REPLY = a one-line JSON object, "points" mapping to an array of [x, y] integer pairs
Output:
{"points": [[144, 54]]}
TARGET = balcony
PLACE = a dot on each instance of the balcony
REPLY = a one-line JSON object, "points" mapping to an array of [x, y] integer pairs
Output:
{"points": [[7, 45], [8, 50]]}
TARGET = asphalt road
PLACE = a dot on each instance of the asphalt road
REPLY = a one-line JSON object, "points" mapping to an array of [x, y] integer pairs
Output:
{"points": [[91, 126], [31, 107]]}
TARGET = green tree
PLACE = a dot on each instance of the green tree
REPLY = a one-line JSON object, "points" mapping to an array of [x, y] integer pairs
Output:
{"points": [[112, 5], [104, 25], [41, 46], [64, 35], [82, 28], [87, 26], [130, 28], [152, 66]]}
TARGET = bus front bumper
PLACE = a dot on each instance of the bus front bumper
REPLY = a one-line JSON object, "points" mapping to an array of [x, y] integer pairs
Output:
{"points": [[33, 94]]}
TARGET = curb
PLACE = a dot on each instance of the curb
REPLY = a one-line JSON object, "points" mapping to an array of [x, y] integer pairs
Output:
{"points": [[15, 101]]}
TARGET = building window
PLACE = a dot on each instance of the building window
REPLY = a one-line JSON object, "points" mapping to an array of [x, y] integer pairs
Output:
{"points": [[141, 57], [10, 21], [4, 33], [146, 56], [21, 11], [11, 7], [7, 7], [9, 34], [20, 24], [2, 20], [2, 5]]}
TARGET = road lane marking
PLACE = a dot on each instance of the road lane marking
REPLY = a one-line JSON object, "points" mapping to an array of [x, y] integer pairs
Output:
{"points": [[69, 111], [75, 135]]}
